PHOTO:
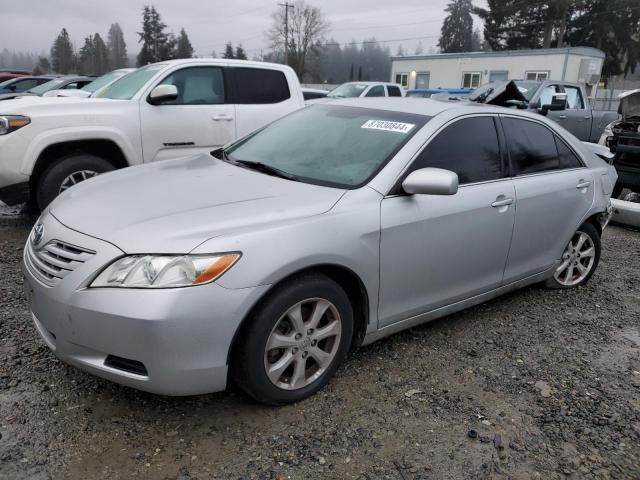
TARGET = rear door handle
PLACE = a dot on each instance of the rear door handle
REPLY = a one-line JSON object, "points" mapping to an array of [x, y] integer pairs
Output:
{"points": [[502, 203], [562, 117], [222, 118], [582, 184]]}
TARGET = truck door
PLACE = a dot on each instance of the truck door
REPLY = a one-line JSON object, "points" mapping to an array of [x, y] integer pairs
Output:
{"points": [[575, 118], [199, 120]]}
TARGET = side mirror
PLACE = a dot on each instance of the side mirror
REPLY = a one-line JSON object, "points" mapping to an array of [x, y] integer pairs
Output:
{"points": [[431, 181], [163, 93], [558, 102]]}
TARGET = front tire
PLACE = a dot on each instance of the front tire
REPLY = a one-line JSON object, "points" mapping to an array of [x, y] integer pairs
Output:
{"points": [[66, 172], [294, 341], [579, 259]]}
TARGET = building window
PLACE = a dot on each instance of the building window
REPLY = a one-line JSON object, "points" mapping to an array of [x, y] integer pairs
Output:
{"points": [[536, 75], [402, 79], [471, 80]]}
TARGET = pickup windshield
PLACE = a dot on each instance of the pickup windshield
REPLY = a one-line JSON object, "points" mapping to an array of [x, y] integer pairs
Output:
{"points": [[328, 145], [126, 87]]}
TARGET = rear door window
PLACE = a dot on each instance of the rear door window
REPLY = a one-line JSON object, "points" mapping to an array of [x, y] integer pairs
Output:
{"points": [[532, 147], [260, 85], [568, 159], [394, 91], [468, 147]]}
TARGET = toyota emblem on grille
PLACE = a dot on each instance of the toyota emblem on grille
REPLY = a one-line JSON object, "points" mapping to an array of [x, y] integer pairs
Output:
{"points": [[38, 233]]}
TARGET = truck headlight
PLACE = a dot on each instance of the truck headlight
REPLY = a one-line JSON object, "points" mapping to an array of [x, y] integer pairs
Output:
{"points": [[10, 123], [165, 271]]}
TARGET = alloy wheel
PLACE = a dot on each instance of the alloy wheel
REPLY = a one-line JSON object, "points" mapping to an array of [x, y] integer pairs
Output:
{"points": [[303, 344], [577, 260], [75, 178]]}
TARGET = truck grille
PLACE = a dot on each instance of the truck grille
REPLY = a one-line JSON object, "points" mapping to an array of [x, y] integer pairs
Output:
{"points": [[55, 260]]}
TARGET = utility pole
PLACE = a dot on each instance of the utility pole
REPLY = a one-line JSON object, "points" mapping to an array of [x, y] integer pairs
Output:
{"points": [[286, 6]]}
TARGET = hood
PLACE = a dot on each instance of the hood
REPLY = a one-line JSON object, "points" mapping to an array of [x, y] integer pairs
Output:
{"points": [[173, 206], [12, 95], [629, 104], [64, 109], [67, 93], [504, 94]]}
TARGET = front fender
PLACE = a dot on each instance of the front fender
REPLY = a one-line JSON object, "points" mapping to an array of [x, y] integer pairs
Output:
{"points": [[132, 152]]}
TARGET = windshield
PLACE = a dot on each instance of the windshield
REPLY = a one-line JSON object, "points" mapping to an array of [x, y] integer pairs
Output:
{"points": [[484, 91], [526, 88], [45, 87], [102, 81], [348, 90], [6, 83], [126, 87], [329, 144]]}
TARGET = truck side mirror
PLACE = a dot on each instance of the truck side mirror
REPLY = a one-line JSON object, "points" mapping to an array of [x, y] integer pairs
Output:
{"points": [[163, 93], [558, 102]]}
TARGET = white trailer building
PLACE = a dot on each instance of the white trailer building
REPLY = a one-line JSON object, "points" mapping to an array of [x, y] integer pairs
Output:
{"points": [[469, 70]]}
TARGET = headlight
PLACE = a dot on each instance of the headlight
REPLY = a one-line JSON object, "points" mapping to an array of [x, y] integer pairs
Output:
{"points": [[9, 123], [164, 271]]}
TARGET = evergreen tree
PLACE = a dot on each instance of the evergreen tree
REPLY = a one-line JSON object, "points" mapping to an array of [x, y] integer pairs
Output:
{"points": [[183, 46], [117, 47], [419, 49], [228, 51], [476, 41], [62, 56], [101, 56], [86, 56], [42, 67], [457, 29], [157, 45], [400, 51], [240, 53]]}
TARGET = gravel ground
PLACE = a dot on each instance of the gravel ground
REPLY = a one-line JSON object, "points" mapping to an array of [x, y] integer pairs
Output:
{"points": [[535, 385]]}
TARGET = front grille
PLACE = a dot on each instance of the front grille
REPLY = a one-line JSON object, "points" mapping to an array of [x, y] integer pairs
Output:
{"points": [[55, 260]]}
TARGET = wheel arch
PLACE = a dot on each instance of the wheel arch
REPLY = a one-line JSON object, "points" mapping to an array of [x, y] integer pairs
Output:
{"points": [[352, 284], [100, 147]]}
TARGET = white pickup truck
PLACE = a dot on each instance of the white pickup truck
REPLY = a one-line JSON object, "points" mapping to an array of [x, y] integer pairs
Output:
{"points": [[164, 110]]}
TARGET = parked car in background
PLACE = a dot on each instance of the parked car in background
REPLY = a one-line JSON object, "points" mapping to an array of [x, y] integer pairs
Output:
{"points": [[622, 137], [313, 93], [265, 265], [165, 110], [22, 84], [4, 76], [563, 102], [66, 82], [428, 92], [15, 71], [92, 88], [364, 89]]}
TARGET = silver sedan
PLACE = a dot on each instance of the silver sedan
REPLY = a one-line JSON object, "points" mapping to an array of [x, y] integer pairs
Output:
{"points": [[266, 261]]}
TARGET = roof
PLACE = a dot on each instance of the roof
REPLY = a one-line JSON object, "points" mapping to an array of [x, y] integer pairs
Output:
{"points": [[588, 51], [355, 82], [228, 61], [418, 106]]}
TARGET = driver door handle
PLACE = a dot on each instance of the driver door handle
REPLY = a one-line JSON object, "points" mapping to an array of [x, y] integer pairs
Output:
{"points": [[562, 117], [502, 203], [583, 184], [222, 118]]}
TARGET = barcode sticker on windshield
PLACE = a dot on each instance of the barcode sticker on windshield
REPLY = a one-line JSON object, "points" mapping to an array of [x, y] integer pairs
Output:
{"points": [[387, 126]]}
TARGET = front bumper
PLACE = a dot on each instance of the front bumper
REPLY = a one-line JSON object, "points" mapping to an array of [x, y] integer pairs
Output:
{"points": [[169, 342]]}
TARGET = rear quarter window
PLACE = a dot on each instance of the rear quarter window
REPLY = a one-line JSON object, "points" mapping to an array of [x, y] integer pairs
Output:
{"points": [[260, 86]]}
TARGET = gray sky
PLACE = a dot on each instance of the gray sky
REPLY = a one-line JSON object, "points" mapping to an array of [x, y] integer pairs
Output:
{"points": [[33, 25]]}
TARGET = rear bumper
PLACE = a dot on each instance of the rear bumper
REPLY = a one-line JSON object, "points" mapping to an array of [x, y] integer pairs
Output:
{"points": [[627, 213]]}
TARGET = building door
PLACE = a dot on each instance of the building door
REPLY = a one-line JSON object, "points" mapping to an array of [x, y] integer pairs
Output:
{"points": [[422, 80], [498, 76]]}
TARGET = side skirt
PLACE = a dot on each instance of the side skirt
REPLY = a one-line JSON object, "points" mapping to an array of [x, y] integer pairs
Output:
{"points": [[455, 307]]}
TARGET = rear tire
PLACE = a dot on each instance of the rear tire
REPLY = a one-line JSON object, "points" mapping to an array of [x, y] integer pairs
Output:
{"points": [[579, 259], [295, 340], [66, 172]]}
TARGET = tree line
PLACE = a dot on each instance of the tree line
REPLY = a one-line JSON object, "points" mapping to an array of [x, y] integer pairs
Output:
{"points": [[609, 25]]}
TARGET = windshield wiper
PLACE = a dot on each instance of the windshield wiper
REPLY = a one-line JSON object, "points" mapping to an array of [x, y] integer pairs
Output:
{"points": [[268, 169]]}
